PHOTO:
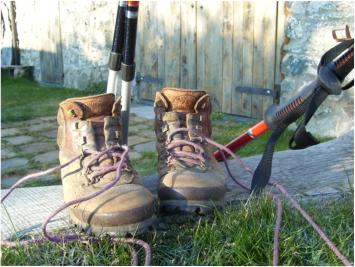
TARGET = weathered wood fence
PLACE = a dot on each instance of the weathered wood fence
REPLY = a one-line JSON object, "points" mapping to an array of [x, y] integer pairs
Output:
{"points": [[230, 49]]}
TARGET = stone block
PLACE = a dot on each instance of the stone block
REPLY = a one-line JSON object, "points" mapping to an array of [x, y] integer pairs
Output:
{"points": [[19, 140], [36, 148], [10, 132], [7, 152], [145, 147], [13, 163], [51, 134], [137, 139], [48, 157]]}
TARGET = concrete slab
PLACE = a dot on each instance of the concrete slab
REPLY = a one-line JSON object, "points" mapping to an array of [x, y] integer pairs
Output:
{"points": [[25, 210]]}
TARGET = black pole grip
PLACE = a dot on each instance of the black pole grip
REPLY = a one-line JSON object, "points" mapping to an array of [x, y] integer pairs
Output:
{"points": [[344, 64], [292, 109], [114, 62], [128, 66], [130, 34], [117, 44]]}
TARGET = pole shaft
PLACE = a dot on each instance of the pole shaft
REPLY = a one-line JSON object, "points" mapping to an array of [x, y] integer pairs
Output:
{"points": [[128, 65]]}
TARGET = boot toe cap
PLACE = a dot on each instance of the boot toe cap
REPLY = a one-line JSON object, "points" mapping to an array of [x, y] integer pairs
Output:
{"points": [[126, 204], [192, 185]]}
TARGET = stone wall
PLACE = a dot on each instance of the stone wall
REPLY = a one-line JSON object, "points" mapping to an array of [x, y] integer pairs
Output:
{"points": [[308, 35], [86, 37]]}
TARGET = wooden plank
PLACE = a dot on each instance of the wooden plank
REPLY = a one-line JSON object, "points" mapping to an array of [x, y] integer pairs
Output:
{"points": [[188, 45], [247, 73], [238, 17], [150, 50], [213, 52], [201, 30], [160, 40], [139, 57], [270, 39], [172, 42], [227, 63], [280, 37], [258, 57]]}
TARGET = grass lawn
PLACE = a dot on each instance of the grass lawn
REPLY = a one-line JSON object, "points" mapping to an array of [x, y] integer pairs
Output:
{"points": [[241, 234], [23, 99]]}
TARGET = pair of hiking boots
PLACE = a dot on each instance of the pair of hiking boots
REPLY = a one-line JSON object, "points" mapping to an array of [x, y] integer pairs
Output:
{"points": [[190, 178]]}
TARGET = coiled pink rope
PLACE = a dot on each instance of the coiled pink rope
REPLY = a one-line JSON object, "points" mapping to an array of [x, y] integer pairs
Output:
{"points": [[117, 151]]}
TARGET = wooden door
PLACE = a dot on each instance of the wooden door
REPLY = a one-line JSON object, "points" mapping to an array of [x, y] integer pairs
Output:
{"points": [[230, 49], [51, 58]]}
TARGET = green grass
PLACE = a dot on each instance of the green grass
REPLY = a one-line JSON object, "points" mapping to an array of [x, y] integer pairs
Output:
{"points": [[241, 234], [23, 99]]}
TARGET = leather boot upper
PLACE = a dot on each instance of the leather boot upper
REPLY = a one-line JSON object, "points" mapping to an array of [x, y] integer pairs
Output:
{"points": [[93, 124], [179, 108]]}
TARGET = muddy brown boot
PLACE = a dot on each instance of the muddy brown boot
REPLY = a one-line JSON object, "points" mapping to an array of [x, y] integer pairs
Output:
{"points": [[88, 125], [190, 178]]}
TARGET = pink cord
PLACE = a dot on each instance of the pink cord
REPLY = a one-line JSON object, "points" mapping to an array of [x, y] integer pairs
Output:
{"points": [[67, 238]]}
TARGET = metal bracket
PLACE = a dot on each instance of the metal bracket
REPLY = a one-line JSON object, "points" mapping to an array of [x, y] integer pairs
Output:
{"points": [[256, 91], [338, 38], [148, 79]]}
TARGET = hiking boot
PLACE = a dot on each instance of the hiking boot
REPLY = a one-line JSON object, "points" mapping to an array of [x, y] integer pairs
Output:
{"points": [[190, 178], [87, 126]]}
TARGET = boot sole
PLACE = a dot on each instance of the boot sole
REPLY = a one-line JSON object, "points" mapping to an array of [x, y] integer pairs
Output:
{"points": [[122, 230], [200, 207]]}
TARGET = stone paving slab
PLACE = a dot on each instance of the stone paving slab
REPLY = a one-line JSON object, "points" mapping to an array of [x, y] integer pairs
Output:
{"points": [[42, 127], [10, 164], [7, 153], [146, 112], [10, 132], [18, 140], [36, 148], [145, 147], [48, 157]]}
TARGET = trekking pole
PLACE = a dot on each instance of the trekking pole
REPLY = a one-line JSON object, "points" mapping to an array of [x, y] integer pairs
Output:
{"points": [[114, 63], [128, 65], [331, 72]]}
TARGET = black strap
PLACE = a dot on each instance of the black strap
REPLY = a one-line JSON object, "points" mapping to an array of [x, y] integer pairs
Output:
{"points": [[262, 173], [301, 138]]}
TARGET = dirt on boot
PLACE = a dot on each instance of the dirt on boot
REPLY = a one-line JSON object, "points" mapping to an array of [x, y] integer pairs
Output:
{"points": [[190, 178], [88, 126]]}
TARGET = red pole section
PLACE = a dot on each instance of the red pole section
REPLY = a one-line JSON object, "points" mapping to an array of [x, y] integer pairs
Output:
{"points": [[243, 139]]}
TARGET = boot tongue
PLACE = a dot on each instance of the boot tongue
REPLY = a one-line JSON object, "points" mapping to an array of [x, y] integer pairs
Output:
{"points": [[88, 107], [182, 100]]}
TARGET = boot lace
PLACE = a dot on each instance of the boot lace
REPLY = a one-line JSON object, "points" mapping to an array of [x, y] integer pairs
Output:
{"points": [[93, 171], [119, 153], [179, 156]]}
